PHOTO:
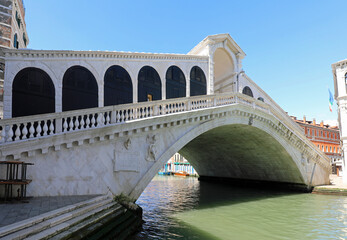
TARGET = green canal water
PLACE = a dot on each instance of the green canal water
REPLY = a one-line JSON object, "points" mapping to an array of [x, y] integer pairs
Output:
{"points": [[185, 208]]}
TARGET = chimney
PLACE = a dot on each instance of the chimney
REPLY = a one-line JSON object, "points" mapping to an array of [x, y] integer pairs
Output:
{"points": [[322, 124], [314, 121], [304, 119]]}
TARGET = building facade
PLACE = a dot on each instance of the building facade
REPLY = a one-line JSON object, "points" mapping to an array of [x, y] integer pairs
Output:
{"points": [[13, 34], [326, 138], [339, 70]]}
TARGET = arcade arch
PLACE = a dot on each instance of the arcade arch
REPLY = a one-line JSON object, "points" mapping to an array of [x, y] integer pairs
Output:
{"points": [[118, 88], [175, 83], [33, 93], [197, 81], [149, 84], [80, 89], [223, 71]]}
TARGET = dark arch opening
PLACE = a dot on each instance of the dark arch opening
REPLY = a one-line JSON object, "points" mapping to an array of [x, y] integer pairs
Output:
{"points": [[197, 82], [149, 84], [247, 91], [33, 93], [175, 83], [80, 89], [118, 88]]}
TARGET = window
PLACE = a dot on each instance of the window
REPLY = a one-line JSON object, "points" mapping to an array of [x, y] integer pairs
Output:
{"points": [[326, 148], [247, 91], [308, 131], [15, 41], [330, 149], [318, 146], [312, 132], [334, 149], [18, 19]]}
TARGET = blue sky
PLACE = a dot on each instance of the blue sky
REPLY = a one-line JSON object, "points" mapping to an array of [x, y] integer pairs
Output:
{"points": [[290, 44]]}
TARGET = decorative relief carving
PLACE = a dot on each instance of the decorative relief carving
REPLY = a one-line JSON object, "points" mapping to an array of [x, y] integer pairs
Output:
{"points": [[151, 151], [127, 144]]}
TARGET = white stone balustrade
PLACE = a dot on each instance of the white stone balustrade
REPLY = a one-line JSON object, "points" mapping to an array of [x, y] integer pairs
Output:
{"points": [[21, 128]]}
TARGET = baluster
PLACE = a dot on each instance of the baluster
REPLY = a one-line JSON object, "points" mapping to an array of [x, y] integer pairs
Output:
{"points": [[3, 134], [93, 121], [65, 125], [71, 125], [87, 122], [77, 123], [31, 130], [24, 131], [51, 128], [10, 134], [123, 115], [147, 113], [45, 128], [102, 119], [126, 115], [82, 122], [118, 116], [131, 114], [98, 120], [108, 119], [17, 133], [38, 129]]}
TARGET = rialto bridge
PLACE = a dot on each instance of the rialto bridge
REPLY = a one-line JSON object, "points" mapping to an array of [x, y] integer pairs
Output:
{"points": [[84, 120]]}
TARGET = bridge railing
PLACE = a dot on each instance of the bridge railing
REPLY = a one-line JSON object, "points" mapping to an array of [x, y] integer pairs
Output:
{"points": [[35, 126]]}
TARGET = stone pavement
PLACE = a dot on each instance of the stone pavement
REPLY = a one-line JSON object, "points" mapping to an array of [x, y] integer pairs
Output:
{"points": [[15, 211], [336, 182]]}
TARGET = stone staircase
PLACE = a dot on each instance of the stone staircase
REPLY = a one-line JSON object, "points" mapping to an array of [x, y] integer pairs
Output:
{"points": [[96, 218]]}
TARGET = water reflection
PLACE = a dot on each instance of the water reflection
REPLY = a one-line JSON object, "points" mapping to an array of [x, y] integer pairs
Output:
{"points": [[184, 208]]}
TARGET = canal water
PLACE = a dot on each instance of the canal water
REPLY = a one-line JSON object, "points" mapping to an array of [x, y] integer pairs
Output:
{"points": [[185, 208]]}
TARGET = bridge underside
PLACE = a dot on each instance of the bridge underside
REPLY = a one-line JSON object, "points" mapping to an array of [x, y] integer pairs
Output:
{"points": [[241, 152]]}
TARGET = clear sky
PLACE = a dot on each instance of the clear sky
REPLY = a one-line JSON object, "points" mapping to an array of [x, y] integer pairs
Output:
{"points": [[290, 44]]}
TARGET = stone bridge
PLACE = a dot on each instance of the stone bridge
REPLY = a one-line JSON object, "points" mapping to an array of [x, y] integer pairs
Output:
{"points": [[65, 112], [119, 149]]}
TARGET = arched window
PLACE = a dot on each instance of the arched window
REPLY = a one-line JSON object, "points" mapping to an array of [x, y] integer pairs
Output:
{"points": [[261, 99], [33, 93], [247, 91], [197, 82], [149, 85], [80, 89], [308, 131], [118, 88], [175, 83]]}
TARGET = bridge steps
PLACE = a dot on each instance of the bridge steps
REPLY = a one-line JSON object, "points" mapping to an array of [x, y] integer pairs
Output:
{"points": [[67, 220]]}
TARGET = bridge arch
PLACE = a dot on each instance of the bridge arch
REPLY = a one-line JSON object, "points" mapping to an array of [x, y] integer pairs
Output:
{"points": [[224, 71], [279, 164], [118, 87], [175, 83], [33, 92], [149, 84], [80, 89]]}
